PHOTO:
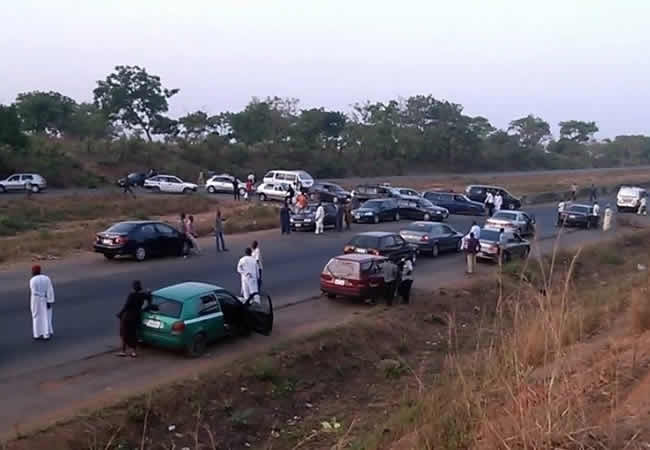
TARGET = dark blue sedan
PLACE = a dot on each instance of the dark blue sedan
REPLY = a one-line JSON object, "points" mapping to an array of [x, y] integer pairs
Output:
{"points": [[456, 203]]}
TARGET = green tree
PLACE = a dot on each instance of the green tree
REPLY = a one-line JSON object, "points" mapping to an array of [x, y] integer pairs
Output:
{"points": [[195, 127], [577, 130], [136, 99], [531, 130], [10, 132], [88, 121], [45, 112]]}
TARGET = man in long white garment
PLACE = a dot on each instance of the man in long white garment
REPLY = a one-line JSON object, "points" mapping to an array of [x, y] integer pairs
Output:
{"points": [[248, 270], [41, 302]]}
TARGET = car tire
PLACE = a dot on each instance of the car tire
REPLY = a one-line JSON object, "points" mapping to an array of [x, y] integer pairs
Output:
{"points": [[262, 197], [156, 189], [187, 191], [2, 189], [197, 347], [330, 295], [140, 254], [34, 188], [212, 190], [397, 217], [109, 256], [427, 217], [435, 251], [376, 219]]}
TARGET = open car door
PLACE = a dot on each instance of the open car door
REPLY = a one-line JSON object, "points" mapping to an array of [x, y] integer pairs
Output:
{"points": [[259, 310]]}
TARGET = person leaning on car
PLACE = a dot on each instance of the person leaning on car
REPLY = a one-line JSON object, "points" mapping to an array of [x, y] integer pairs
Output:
{"points": [[390, 271]]}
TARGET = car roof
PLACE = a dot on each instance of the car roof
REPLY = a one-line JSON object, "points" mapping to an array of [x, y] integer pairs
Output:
{"points": [[357, 257], [377, 233], [137, 222], [580, 204], [185, 291], [487, 186]]}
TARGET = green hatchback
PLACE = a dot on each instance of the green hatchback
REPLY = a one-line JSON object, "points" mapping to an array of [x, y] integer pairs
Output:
{"points": [[189, 316]]}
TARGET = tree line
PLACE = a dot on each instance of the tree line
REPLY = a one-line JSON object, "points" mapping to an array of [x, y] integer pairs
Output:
{"points": [[130, 110]]}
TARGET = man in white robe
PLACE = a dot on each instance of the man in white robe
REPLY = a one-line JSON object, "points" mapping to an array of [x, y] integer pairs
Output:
{"points": [[248, 270], [498, 202], [41, 303]]}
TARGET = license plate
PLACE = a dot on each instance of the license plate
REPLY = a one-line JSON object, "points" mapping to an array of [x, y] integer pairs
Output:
{"points": [[153, 324], [339, 282], [298, 225], [572, 217], [357, 217], [361, 250], [107, 241]]}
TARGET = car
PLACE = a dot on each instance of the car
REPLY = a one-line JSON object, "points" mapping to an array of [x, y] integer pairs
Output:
{"points": [[189, 316], [354, 276], [478, 192], [223, 183], [23, 182], [515, 245], [141, 239], [134, 179], [382, 243], [629, 198], [364, 192], [292, 177], [273, 191], [421, 209], [405, 193], [378, 210], [455, 203], [305, 219], [577, 215], [327, 192], [169, 183], [432, 237], [519, 221]]}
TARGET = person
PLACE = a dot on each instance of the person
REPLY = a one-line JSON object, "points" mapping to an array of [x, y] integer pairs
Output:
{"points": [[489, 203], [247, 269], [285, 218], [218, 232], [201, 179], [251, 177], [574, 191], [502, 243], [406, 282], [596, 209], [301, 201], [184, 224], [235, 189], [130, 315], [257, 254], [593, 193], [41, 304], [291, 193], [339, 215], [476, 230], [299, 186], [643, 206], [348, 215], [498, 201], [390, 272], [192, 236], [320, 219], [354, 202], [607, 218], [472, 247], [560, 209], [126, 188], [249, 190]]}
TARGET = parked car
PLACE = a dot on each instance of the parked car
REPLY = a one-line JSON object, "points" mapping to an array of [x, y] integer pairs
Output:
{"points": [[432, 237], [354, 276], [273, 191], [291, 177], [455, 203], [381, 243], [421, 209], [577, 215], [305, 220], [23, 182], [189, 316], [405, 193], [134, 179], [365, 192], [327, 192], [629, 198], [141, 239], [517, 221], [477, 193], [223, 183], [515, 245], [169, 183], [375, 211]]}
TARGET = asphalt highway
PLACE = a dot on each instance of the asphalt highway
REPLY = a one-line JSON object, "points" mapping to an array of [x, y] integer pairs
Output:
{"points": [[91, 290]]}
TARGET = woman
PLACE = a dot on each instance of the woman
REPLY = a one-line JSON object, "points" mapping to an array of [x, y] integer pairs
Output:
{"points": [[130, 318]]}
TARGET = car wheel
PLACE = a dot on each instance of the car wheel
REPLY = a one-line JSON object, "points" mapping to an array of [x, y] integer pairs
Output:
{"points": [[109, 256], [2, 189], [140, 254], [330, 295], [427, 217], [435, 251], [212, 190], [156, 188], [262, 197], [187, 191], [396, 217], [376, 219], [35, 189], [197, 347]]}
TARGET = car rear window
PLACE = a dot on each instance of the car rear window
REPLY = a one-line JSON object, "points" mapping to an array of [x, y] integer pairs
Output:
{"points": [[373, 204], [580, 209], [340, 268], [166, 307], [489, 235], [121, 227], [505, 215], [365, 241], [421, 227]]}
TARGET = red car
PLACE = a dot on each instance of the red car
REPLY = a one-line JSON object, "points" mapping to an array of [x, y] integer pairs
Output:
{"points": [[353, 275]]}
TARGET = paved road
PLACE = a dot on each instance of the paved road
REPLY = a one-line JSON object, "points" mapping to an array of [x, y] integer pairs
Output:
{"points": [[91, 290]]}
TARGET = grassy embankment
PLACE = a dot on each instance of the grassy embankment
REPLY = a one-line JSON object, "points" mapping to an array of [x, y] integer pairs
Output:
{"points": [[552, 354]]}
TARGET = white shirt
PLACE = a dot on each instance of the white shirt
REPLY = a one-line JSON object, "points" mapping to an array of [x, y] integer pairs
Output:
{"points": [[476, 230], [560, 206], [407, 270], [596, 210], [257, 254], [644, 201], [489, 198], [320, 213], [498, 201]]}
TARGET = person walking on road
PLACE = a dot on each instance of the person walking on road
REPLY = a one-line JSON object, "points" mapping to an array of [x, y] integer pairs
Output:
{"points": [[593, 193], [235, 189], [472, 247], [41, 304], [560, 209], [129, 317], [348, 215], [218, 232], [339, 215], [257, 254], [390, 271], [192, 236], [574, 192], [285, 218], [502, 244], [126, 187], [247, 269], [406, 280], [498, 201], [476, 230], [489, 203], [643, 206], [596, 209], [320, 219]]}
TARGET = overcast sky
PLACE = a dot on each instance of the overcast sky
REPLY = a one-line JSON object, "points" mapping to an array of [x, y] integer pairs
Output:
{"points": [[559, 59]]}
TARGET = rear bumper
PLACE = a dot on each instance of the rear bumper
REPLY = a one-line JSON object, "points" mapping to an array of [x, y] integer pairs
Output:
{"points": [[158, 340], [111, 251], [352, 292]]}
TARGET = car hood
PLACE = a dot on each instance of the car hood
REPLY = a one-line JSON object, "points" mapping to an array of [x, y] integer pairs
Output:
{"points": [[303, 216], [576, 213], [436, 209], [365, 210]]}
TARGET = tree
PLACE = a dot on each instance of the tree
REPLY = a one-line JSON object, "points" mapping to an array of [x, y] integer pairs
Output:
{"points": [[135, 98], [196, 126], [10, 132], [577, 130], [531, 130], [45, 112], [88, 121]]}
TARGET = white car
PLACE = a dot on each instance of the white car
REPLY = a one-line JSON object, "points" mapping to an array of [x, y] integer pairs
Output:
{"points": [[169, 183], [23, 182], [512, 221], [629, 198], [273, 191], [223, 183], [406, 193], [291, 177]]}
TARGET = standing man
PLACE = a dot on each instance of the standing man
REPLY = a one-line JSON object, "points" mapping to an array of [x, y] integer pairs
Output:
{"points": [[472, 247], [339, 215], [574, 191], [235, 189], [41, 304], [502, 244], [607, 219], [320, 218], [404, 288], [218, 232], [643, 206], [560, 209], [285, 218], [126, 188], [257, 254], [593, 193], [498, 201], [247, 269], [192, 235], [292, 193], [476, 230], [201, 179], [129, 317], [348, 215], [489, 203], [251, 177], [390, 271], [354, 202]]}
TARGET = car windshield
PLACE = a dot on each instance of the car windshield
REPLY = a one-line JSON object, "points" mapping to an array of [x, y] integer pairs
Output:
{"points": [[343, 269], [304, 176], [365, 241], [372, 204], [166, 307], [580, 209], [421, 227], [503, 215], [489, 235], [335, 187], [426, 204], [122, 227]]}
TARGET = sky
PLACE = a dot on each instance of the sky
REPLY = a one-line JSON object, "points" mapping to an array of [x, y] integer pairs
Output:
{"points": [[502, 59]]}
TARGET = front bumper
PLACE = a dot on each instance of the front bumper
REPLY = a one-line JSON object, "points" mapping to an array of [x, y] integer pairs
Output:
{"points": [[303, 226], [364, 219]]}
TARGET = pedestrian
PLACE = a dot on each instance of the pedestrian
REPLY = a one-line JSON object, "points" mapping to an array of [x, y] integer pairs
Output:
{"points": [[472, 247], [596, 209], [643, 206], [126, 187], [257, 254], [489, 203], [251, 177], [607, 218], [249, 190], [320, 218], [348, 215], [218, 232], [502, 244], [41, 304], [291, 193], [560, 209], [593, 193], [574, 191], [498, 201], [235, 189], [130, 316], [476, 230], [390, 272], [339, 215], [354, 202], [201, 179], [192, 235], [247, 269], [406, 282], [285, 219], [183, 225]]}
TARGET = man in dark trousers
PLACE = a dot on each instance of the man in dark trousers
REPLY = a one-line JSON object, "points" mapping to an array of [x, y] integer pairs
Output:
{"points": [[235, 188], [339, 215], [126, 187], [285, 219]]}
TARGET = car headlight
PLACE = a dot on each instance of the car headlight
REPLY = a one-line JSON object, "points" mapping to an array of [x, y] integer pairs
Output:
{"points": [[368, 213]]}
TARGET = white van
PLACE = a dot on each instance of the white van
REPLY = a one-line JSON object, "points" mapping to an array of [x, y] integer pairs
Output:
{"points": [[629, 198], [289, 177]]}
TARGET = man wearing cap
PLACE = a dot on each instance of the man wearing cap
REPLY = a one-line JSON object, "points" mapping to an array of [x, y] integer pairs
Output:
{"points": [[41, 303]]}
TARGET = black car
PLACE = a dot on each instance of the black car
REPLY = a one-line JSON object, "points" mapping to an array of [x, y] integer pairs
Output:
{"points": [[579, 216], [508, 243], [134, 179], [141, 239], [327, 192], [375, 211], [421, 209], [432, 238], [305, 220], [455, 203], [381, 243], [365, 192], [477, 193]]}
